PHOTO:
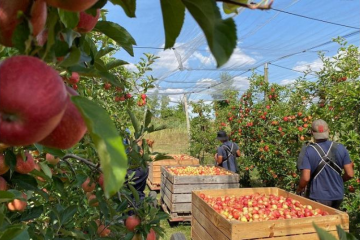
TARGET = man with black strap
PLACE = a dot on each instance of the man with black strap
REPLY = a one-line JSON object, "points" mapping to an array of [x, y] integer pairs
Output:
{"points": [[321, 164], [227, 153]]}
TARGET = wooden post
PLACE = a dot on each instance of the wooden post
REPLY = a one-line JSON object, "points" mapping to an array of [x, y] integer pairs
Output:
{"points": [[187, 115], [266, 79]]}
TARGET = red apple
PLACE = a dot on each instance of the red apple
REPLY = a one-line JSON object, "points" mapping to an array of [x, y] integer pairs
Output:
{"points": [[151, 235], [351, 189], [107, 86], [51, 159], [71, 128], [33, 99], [93, 200], [3, 184], [131, 222], [74, 78], [9, 17], [87, 187], [3, 166], [101, 180], [72, 5], [87, 22], [18, 204], [24, 166], [103, 231]]}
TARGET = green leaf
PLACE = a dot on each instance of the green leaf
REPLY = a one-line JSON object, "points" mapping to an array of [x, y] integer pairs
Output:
{"points": [[51, 21], [59, 185], [129, 6], [28, 182], [53, 151], [129, 236], [232, 8], [70, 19], [147, 118], [6, 196], [12, 231], [118, 34], [115, 63], [72, 58], [21, 36], [173, 12], [67, 214], [24, 235], [344, 235], [220, 34], [134, 192], [103, 51], [46, 169], [108, 143], [134, 121], [32, 213], [323, 235], [161, 156], [92, 72], [10, 159]]}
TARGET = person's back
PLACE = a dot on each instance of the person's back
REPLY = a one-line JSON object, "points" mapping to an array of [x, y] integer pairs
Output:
{"points": [[323, 168], [227, 153], [328, 184]]}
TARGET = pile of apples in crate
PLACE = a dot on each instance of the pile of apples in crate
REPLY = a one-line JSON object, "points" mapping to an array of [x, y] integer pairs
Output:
{"points": [[260, 207], [197, 170]]}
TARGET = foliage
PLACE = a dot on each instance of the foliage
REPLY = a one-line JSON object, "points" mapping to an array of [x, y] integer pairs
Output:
{"points": [[272, 122]]}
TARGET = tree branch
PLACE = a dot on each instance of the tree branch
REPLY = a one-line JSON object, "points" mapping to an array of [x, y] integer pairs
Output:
{"points": [[91, 165], [252, 5]]}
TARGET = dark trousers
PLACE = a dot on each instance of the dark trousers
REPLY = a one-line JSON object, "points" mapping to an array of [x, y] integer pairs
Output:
{"points": [[334, 204]]}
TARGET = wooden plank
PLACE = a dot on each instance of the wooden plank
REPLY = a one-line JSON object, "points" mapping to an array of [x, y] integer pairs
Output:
{"points": [[177, 207], [198, 232], [284, 227], [216, 219], [153, 187], [175, 162], [237, 191], [233, 178], [186, 188], [175, 197], [205, 223]]}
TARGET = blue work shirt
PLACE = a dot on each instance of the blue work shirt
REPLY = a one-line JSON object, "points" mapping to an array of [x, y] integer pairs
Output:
{"points": [[328, 185], [221, 152]]}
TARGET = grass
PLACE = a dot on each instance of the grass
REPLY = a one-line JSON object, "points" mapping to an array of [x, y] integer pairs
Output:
{"points": [[171, 141], [176, 141]]}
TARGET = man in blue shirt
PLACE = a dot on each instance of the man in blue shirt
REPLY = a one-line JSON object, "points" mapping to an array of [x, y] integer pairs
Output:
{"points": [[227, 153], [321, 164]]}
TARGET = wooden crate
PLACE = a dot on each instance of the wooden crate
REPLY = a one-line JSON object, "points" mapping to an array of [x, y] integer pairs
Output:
{"points": [[176, 190], [154, 178], [208, 224]]}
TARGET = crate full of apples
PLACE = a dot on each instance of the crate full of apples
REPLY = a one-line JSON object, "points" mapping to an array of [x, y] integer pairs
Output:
{"points": [[178, 182], [260, 213]]}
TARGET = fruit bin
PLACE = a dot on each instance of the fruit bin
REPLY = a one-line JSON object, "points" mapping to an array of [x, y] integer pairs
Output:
{"points": [[176, 190], [154, 178], [209, 224]]}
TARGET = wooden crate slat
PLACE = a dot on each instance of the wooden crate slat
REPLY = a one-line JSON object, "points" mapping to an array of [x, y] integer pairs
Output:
{"points": [[276, 228], [201, 233], [176, 207], [203, 179], [186, 188], [176, 198], [297, 229], [156, 165], [205, 223], [216, 219]]}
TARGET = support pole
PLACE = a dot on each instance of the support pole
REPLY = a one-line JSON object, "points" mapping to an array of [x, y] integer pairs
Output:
{"points": [[187, 116], [266, 80]]}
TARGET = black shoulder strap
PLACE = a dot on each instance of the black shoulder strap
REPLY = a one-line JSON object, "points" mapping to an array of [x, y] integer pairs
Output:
{"points": [[325, 160]]}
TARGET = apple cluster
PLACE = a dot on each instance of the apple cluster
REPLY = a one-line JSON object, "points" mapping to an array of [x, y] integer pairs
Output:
{"points": [[132, 222], [197, 170], [260, 207], [35, 105]]}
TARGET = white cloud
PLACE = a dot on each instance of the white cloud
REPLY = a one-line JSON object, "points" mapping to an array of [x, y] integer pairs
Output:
{"points": [[131, 67], [241, 83], [287, 81], [175, 94], [205, 82], [168, 60], [303, 66], [238, 59], [204, 60]]}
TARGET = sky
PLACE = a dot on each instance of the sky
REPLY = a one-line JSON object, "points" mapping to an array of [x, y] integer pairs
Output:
{"points": [[287, 41]]}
